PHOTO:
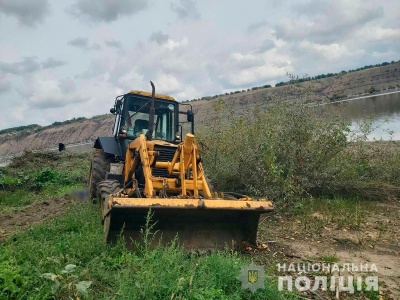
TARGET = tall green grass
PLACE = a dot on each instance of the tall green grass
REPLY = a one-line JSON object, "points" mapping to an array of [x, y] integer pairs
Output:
{"points": [[41, 176], [114, 272]]}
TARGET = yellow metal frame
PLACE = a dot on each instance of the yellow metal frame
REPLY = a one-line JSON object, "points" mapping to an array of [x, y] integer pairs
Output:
{"points": [[186, 188], [186, 152], [147, 94], [170, 203]]}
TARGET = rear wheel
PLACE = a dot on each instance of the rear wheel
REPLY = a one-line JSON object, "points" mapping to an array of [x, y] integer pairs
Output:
{"points": [[99, 167]]}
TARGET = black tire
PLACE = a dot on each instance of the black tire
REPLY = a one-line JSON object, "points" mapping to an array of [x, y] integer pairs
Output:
{"points": [[99, 167], [105, 188]]}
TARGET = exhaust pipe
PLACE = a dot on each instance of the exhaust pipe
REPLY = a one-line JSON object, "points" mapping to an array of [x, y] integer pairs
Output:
{"points": [[149, 134]]}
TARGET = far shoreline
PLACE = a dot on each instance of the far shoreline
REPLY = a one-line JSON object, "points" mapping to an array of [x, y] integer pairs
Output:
{"points": [[359, 97]]}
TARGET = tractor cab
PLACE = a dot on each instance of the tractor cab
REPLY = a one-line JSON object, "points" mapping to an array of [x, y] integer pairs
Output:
{"points": [[156, 116], [135, 116]]}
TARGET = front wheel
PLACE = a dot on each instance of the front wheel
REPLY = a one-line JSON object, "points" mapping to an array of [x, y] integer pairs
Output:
{"points": [[98, 169], [105, 188]]}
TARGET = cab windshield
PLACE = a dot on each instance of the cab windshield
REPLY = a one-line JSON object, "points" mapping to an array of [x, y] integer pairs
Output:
{"points": [[137, 118]]}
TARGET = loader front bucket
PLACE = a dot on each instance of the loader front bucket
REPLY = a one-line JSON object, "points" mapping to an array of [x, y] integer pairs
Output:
{"points": [[199, 224]]}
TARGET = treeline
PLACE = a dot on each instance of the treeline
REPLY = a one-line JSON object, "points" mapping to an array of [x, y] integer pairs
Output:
{"points": [[231, 93], [307, 78], [20, 128], [35, 127], [297, 80], [73, 120]]}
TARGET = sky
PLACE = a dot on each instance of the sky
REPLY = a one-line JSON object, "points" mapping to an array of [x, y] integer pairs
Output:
{"points": [[66, 59]]}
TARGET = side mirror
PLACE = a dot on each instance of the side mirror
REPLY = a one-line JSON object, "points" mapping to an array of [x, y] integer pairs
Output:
{"points": [[112, 110], [190, 116]]}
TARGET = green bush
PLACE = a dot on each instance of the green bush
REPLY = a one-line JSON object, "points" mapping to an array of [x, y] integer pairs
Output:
{"points": [[49, 176], [12, 283], [36, 181], [35, 171], [286, 150], [372, 90]]}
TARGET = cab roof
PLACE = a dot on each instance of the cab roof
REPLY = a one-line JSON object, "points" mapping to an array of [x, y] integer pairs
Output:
{"points": [[147, 94]]}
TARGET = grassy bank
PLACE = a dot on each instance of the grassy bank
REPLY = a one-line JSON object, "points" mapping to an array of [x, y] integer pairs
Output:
{"points": [[36, 177], [65, 256], [76, 238]]}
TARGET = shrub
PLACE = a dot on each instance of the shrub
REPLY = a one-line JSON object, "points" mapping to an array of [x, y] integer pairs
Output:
{"points": [[372, 90], [287, 150], [35, 171], [49, 176]]}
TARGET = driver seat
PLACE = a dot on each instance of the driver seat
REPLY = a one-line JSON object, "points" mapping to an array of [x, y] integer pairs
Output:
{"points": [[139, 125]]}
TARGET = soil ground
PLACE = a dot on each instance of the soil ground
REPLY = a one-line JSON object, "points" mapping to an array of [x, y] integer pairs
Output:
{"points": [[30, 215], [314, 239]]}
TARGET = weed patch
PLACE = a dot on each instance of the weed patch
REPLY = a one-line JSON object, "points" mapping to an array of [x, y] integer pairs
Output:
{"points": [[41, 176], [76, 238]]}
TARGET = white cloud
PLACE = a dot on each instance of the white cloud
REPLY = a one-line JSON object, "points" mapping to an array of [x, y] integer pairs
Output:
{"points": [[44, 93], [331, 52], [129, 80], [186, 9], [326, 22], [379, 34], [25, 66], [67, 85], [52, 63], [159, 37], [168, 84], [246, 60], [5, 84], [106, 10], [114, 44], [28, 13], [84, 44], [250, 69], [171, 44]]}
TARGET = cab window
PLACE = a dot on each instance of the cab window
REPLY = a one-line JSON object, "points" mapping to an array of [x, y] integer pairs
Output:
{"points": [[137, 118]]}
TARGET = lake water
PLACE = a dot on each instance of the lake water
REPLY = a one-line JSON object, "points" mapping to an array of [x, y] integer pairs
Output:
{"points": [[382, 110]]}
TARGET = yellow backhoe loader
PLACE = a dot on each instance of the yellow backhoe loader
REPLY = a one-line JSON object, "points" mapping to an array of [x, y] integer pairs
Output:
{"points": [[148, 165]]}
